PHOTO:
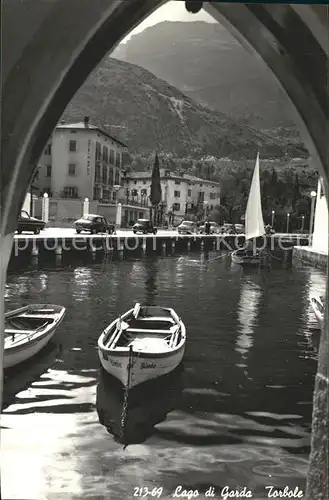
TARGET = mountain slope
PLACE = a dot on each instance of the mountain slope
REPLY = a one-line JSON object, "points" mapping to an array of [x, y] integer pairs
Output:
{"points": [[205, 62], [148, 113]]}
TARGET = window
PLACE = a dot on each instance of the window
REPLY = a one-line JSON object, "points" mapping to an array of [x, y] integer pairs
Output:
{"points": [[201, 196], [144, 181], [177, 194], [117, 178], [70, 192], [97, 173], [73, 146], [105, 153], [97, 193], [135, 182], [111, 156], [72, 169], [177, 182], [48, 170], [73, 131], [117, 160], [143, 192], [104, 176], [48, 149], [176, 207], [110, 178], [98, 151], [189, 192]]}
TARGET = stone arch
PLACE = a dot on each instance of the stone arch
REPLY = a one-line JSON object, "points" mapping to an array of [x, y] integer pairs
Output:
{"points": [[51, 46], [60, 50]]}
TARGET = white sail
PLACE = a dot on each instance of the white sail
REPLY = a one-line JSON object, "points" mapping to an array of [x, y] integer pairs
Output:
{"points": [[254, 224]]}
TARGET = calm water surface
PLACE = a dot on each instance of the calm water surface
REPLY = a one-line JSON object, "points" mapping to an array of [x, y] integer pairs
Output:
{"points": [[238, 413]]}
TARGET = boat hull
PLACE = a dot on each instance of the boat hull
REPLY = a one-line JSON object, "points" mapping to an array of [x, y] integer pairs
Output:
{"points": [[24, 350], [245, 260], [27, 352], [319, 316], [145, 366]]}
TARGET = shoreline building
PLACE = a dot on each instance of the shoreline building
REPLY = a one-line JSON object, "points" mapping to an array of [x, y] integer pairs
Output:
{"points": [[80, 161], [182, 194]]}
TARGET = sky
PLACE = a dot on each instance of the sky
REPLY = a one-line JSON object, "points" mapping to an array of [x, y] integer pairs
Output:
{"points": [[171, 11]]}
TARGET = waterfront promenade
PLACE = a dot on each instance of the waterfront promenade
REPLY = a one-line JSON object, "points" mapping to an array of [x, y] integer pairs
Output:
{"points": [[70, 233], [64, 240]]}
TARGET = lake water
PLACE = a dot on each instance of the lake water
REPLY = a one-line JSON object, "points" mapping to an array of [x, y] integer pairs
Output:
{"points": [[238, 412]]}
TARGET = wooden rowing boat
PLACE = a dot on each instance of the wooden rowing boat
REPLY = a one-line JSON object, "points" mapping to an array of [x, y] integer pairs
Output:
{"points": [[28, 330], [317, 304], [142, 344]]}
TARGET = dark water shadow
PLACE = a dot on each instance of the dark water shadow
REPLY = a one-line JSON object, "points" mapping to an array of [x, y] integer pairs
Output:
{"points": [[148, 405], [20, 377]]}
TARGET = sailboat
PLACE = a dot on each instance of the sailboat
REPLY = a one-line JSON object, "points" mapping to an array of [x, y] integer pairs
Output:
{"points": [[254, 224]]}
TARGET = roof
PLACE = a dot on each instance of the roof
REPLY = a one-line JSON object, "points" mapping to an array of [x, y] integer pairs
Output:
{"points": [[164, 174], [82, 126]]}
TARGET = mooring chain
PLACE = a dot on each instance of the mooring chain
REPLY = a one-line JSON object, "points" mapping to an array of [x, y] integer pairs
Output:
{"points": [[124, 414]]}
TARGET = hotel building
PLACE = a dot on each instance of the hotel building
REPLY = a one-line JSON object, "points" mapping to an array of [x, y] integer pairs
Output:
{"points": [[80, 161], [181, 193]]}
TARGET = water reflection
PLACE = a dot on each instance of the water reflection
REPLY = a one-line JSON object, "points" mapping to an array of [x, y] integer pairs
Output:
{"points": [[148, 405], [151, 273], [83, 279], [247, 316]]}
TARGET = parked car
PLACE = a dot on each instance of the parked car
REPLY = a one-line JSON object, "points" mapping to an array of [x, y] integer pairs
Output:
{"points": [[226, 228], [214, 228], [28, 223], [239, 228], [94, 224], [187, 227], [144, 226]]}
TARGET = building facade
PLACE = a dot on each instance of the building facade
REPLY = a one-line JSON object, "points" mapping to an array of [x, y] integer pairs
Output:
{"points": [[81, 161], [182, 194]]}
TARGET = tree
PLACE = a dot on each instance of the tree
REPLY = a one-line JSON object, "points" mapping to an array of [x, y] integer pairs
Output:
{"points": [[156, 193], [296, 193]]}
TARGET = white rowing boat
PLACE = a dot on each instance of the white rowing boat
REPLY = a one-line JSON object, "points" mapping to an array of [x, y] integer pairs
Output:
{"points": [[28, 330], [142, 344], [317, 303]]}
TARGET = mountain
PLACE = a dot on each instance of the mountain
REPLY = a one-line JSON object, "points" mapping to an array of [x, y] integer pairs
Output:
{"points": [[206, 62], [147, 113]]}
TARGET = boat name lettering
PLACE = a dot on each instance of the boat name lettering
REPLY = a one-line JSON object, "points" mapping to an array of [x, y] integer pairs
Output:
{"points": [[147, 365], [115, 363]]}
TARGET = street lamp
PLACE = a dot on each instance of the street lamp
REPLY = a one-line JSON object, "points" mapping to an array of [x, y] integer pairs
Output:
{"points": [[288, 218], [313, 196], [303, 221], [273, 215]]}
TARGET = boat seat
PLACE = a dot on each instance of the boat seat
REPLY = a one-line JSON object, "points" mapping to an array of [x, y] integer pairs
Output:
{"points": [[9, 331], [147, 331], [37, 316]]}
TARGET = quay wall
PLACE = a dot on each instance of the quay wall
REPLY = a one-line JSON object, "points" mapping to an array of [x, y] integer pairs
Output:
{"points": [[128, 242], [308, 255]]}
